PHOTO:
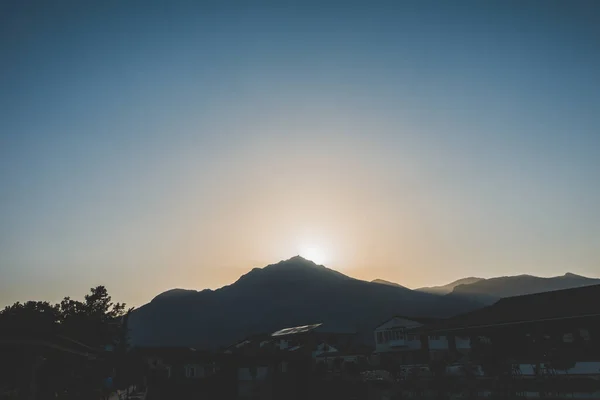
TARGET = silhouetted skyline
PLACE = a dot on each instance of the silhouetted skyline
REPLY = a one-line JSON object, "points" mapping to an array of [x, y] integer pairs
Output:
{"points": [[152, 145]]}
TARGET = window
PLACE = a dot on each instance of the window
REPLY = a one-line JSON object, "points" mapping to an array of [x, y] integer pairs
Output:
{"points": [[434, 337], [568, 338], [411, 337], [190, 372], [379, 337]]}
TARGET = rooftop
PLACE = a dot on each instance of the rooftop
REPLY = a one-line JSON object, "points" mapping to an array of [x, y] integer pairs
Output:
{"points": [[296, 330], [547, 306]]}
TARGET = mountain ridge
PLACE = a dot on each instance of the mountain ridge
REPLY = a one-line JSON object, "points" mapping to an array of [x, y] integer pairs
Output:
{"points": [[289, 293], [297, 292], [492, 289], [384, 282], [449, 287]]}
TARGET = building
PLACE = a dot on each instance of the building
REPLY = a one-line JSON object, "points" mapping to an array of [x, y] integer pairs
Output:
{"points": [[178, 362], [543, 344], [185, 372], [282, 364], [37, 364], [397, 338]]}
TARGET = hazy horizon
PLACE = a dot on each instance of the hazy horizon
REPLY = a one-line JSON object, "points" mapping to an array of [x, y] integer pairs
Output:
{"points": [[151, 145]]}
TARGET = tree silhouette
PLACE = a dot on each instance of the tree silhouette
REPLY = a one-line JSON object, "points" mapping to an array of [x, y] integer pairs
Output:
{"points": [[93, 323]]}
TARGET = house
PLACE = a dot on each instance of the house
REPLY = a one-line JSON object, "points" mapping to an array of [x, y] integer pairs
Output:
{"points": [[574, 305], [398, 339], [177, 362], [280, 364], [185, 372], [554, 334], [36, 363], [343, 357], [310, 340]]}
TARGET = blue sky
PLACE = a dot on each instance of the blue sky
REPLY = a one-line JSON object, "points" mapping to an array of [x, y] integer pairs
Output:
{"points": [[179, 144]]}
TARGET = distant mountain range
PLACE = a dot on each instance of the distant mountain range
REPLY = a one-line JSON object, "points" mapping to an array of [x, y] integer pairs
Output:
{"points": [[290, 293], [382, 282], [299, 292], [445, 289], [490, 290]]}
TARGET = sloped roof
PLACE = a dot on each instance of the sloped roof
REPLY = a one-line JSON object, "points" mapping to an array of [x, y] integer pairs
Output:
{"points": [[240, 345], [295, 330], [60, 343], [554, 305]]}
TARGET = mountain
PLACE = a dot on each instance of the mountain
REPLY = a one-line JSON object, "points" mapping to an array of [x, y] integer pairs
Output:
{"points": [[289, 293], [175, 293], [445, 289], [490, 290], [384, 282]]}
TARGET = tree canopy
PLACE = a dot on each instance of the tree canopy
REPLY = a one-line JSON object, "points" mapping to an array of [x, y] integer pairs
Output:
{"points": [[95, 321]]}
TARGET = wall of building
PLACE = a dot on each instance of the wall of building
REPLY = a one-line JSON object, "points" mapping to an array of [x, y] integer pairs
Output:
{"points": [[437, 342], [323, 348], [391, 336], [442, 342], [194, 371], [244, 374], [580, 368], [462, 342]]}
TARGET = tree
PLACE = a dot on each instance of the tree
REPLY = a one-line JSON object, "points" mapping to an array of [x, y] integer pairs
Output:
{"points": [[32, 316], [125, 363], [95, 322]]}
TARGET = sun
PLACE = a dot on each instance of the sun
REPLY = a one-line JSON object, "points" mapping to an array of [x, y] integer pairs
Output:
{"points": [[315, 254]]}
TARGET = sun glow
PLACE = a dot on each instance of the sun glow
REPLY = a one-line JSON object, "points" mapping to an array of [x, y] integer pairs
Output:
{"points": [[314, 254]]}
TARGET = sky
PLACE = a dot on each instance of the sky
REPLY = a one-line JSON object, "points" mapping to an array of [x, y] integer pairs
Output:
{"points": [[149, 145]]}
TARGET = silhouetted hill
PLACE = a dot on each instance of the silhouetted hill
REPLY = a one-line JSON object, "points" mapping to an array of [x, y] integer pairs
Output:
{"points": [[489, 290], [174, 293], [289, 293], [384, 282], [445, 289]]}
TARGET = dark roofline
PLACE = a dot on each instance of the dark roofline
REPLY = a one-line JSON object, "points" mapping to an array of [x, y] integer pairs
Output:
{"points": [[346, 352], [420, 320], [250, 338], [571, 289], [56, 342], [533, 305], [158, 349], [425, 329]]}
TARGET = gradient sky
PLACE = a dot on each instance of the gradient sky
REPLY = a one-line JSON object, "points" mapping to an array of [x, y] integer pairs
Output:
{"points": [[149, 145]]}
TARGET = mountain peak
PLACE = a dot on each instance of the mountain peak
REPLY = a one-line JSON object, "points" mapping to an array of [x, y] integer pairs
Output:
{"points": [[298, 258], [572, 275], [296, 262], [294, 269]]}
